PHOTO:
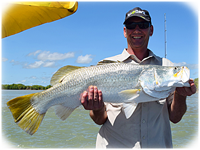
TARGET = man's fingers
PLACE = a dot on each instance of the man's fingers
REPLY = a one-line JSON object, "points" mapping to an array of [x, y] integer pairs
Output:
{"points": [[90, 92], [90, 96], [192, 86], [96, 96], [190, 90], [84, 97], [101, 104]]}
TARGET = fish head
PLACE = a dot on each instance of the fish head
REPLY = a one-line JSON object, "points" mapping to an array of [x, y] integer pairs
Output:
{"points": [[161, 80], [182, 74]]}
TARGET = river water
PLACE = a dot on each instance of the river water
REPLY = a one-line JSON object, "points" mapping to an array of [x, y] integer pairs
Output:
{"points": [[79, 131]]}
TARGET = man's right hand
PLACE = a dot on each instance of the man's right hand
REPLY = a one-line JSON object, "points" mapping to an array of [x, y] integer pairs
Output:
{"points": [[92, 100]]}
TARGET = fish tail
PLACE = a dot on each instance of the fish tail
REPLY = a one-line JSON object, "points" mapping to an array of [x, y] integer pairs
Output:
{"points": [[24, 114]]}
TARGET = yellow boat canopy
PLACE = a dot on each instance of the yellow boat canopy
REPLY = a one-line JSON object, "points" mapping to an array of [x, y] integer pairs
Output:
{"points": [[24, 15]]}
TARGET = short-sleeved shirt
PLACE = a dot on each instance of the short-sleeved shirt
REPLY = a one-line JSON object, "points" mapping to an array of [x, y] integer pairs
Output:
{"points": [[149, 125]]}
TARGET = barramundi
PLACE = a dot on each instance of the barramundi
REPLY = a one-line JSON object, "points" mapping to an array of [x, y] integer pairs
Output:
{"points": [[119, 82]]}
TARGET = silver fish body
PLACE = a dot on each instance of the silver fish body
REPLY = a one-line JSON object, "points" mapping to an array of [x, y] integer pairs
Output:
{"points": [[111, 79], [119, 82]]}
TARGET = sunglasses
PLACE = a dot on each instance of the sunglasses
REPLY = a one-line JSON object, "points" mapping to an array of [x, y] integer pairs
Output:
{"points": [[141, 25]]}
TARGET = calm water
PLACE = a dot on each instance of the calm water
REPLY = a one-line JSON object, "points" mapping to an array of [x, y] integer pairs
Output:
{"points": [[79, 131]]}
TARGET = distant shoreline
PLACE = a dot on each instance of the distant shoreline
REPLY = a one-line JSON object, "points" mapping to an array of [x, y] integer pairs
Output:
{"points": [[24, 87], [20, 89]]}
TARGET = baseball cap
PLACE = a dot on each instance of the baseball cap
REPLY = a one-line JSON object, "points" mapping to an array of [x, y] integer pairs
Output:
{"points": [[137, 12]]}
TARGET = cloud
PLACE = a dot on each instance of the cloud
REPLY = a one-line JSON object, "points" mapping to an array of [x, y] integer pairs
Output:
{"points": [[46, 55], [23, 81], [190, 66], [4, 59], [180, 64], [16, 62], [45, 59], [36, 64], [34, 53], [84, 59], [48, 64], [33, 77]]}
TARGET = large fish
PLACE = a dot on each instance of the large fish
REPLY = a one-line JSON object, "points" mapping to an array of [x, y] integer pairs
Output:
{"points": [[119, 82]]}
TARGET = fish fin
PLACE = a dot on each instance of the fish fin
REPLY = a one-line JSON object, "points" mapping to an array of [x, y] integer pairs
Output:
{"points": [[128, 109], [58, 76], [25, 114], [156, 77], [130, 93], [108, 61], [63, 112], [129, 106]]}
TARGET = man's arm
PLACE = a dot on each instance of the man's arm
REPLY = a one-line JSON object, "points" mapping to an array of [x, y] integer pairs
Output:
{"points": [[178, 107], [92, 100]]}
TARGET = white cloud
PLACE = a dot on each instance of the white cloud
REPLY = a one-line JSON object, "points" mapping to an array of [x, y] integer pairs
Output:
{"points": [[36, 64], [49, 64], [16, 62], [33, 77], [23, 81], [180, 64], [44, 59], [84, 59], [4, 59], [46, 55], [190, 66], [34, 53]]}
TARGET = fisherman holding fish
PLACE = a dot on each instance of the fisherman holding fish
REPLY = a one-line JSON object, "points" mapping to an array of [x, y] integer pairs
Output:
{"points": [[149, 125], [133, 95]]}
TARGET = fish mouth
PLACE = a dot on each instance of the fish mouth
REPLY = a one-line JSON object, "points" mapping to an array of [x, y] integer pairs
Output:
{"points": [[183, 74]]}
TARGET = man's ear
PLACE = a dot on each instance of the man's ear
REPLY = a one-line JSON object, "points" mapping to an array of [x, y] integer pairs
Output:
{"points": [[151, 30], [125, 32]]}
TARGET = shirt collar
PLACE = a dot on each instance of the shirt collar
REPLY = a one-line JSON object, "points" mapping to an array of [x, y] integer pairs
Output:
{"points": [[151, 54], [125, 55]]}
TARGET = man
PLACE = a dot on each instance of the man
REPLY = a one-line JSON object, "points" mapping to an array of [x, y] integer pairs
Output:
{"points": [[149, 125]]}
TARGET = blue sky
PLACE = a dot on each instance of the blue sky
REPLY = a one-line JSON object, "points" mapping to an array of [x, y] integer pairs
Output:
{"points": [[95, 32]]}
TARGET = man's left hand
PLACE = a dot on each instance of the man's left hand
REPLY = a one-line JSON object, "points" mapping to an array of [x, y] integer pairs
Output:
{"points": [[187, 91]]}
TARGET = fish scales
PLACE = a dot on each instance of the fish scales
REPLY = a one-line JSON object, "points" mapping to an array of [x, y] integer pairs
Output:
{"points": [[77, 81], [74, 83]]}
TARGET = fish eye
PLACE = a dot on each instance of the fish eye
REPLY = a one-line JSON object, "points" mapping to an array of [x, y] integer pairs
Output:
{"points": [[175, 68]]}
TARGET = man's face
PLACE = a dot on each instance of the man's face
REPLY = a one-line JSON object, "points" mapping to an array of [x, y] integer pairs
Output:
{"points": [[138, 38]]}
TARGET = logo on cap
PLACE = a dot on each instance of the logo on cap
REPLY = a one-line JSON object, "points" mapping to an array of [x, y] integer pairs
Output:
{"points": [[137, 11]]}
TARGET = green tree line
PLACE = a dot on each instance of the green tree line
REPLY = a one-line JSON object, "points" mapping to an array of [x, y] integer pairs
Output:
{"points": [[24, 87], [196, 82]]}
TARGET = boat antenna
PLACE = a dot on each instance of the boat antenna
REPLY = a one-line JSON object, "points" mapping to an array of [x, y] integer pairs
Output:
{"points": [[165, 36]]}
